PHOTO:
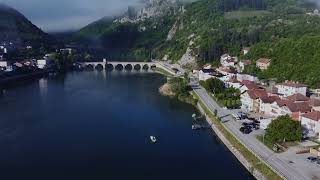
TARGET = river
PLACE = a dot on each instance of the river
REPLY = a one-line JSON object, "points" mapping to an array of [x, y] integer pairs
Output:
{"points": [[96, 125]]}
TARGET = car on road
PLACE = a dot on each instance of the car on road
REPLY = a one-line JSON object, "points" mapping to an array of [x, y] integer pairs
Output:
{"points": [[312, 159], [245, 130]]}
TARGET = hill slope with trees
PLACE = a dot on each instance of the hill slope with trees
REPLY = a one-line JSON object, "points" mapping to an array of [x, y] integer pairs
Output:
{"points": [[274, 29], [17, 28]]}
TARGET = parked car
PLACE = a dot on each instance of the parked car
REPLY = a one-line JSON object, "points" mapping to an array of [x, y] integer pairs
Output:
{"points": [[251, 119], [312, 159], [245, 130], [242, 115], [236, 116]]}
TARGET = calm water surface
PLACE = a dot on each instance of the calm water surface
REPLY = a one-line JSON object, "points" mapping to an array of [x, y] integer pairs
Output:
{"points": [[96, 125]]}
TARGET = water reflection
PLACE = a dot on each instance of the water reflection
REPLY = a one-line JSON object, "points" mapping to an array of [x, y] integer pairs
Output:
{"points": [[99, 126]]}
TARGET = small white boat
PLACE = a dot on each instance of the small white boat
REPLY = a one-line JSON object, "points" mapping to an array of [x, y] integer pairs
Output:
{"points": [[153, 139]]}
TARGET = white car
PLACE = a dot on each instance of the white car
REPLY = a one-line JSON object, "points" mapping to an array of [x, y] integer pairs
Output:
{"points": [[236, 116]]}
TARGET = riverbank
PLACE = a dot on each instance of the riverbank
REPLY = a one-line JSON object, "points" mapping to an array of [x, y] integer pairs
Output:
{"points": [[21, 77], [177, 88], [258, 168], [165, 90], [249, 160]]}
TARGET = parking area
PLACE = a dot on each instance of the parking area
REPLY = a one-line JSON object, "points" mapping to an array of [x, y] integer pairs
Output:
{"points": [[300, 162], [247, 123], [305, 163]]}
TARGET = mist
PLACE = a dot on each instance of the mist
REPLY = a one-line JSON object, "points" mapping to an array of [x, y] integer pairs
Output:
{"points": [[316, 2], [66, 15]]}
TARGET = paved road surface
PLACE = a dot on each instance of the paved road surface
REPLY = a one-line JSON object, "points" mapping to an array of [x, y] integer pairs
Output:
{"points": [[280, 165]]}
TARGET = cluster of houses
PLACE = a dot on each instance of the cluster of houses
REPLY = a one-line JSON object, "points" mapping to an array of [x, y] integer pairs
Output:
{"points": [[314, 13], [267, 102], [9, 66]]}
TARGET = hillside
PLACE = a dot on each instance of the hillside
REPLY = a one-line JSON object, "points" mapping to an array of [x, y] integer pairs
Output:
{"points": [[206, 29], [15, 27]]}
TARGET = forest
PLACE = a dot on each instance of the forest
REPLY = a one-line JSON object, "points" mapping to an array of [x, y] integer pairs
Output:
{"points": [[274, 29]]}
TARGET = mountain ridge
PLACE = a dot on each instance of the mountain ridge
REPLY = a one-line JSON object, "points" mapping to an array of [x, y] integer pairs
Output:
{"points": [[15, 27], [209, 28]]}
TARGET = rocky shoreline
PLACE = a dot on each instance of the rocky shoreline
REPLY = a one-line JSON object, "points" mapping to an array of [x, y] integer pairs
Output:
{"points": [[165, 90]]}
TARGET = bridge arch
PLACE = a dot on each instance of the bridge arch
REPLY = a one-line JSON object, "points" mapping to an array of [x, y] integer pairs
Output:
{"points": [[110, 67], [145, 67], [99, 67], [119, 67], [137, 67], [153, 67], [89, 67], [128, 67]]}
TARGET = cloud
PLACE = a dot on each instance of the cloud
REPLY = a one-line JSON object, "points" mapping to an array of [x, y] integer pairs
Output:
{"points": [[61, 15]]}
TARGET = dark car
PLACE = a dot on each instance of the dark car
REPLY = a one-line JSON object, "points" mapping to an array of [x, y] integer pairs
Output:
{"points": [[245, 124], [312, 159], [245, 130]]}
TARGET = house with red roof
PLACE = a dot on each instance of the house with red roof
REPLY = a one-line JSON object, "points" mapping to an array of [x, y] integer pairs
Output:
{"points": [[289, 88], [298, 98], [283, 107], [250, 99], [263, 63], [227, 61], [265, 104], [243, 64], [315, 104], [233, 82], [248, 85], [311, 123]]}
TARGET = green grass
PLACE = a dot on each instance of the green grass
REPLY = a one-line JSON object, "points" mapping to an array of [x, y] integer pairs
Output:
{"points": [[266, 143], [244, 14], [254, 161]]}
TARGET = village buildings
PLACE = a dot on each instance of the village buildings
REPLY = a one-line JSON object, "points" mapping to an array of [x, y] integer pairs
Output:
{"points": [[263, 63]]}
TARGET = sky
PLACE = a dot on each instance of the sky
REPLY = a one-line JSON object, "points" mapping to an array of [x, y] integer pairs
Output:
{"points": [[64, 15]]}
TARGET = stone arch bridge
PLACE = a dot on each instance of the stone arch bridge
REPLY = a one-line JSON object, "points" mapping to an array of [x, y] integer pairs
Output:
{"points": [[129, 66]]}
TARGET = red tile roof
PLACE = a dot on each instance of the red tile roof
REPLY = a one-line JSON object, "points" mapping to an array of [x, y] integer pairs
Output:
{"points": [[294, 106], [257, 93], [315, 115], [314, 102], [246, 62], [264, 61], [298, 97], [250, 85], [269, 99], [292, 84]]}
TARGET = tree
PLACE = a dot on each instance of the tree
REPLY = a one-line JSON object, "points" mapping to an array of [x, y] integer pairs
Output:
{"points": [[283, 129], [179, 86], [213, 85]]}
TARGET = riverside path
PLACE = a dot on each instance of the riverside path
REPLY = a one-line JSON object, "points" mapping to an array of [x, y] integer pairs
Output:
{"points": [[273, 160]]}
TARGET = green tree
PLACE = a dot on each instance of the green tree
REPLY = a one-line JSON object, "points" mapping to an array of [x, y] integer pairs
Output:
{"points": [[213, 85], [179, 86], [283, 129]]}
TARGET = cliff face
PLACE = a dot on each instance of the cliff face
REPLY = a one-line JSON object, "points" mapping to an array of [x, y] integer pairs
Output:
{"points": [[151, 9]]}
